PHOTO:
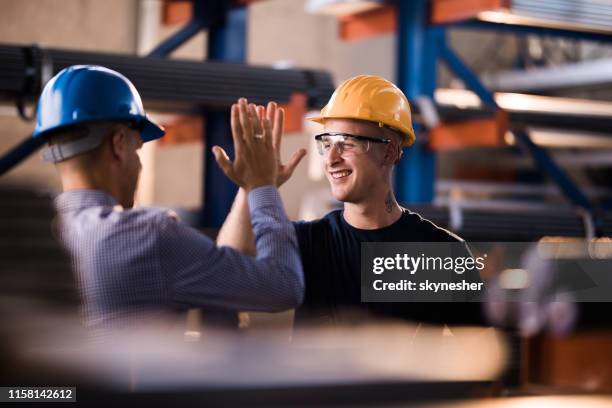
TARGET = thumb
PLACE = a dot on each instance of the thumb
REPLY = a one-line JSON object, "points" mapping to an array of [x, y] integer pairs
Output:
{"points": [[295, 159], [223, 161]]}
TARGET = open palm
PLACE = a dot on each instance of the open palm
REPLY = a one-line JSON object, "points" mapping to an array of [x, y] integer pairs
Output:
{"points": [[276, 116]]}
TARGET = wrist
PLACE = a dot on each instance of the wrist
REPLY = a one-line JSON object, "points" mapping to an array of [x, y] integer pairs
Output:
{"points": [[264, 196], [249, 188], [259, 183]]}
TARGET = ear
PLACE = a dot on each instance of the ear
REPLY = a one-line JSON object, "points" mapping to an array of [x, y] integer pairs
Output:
{"points": [[392, 154], [119, 144], [399, 153]]}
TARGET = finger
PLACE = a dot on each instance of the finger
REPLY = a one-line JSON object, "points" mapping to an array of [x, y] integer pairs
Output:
{"points": [[235, 119], [224, 162], [271, 111], [261, 116], [261, 112], [255, 123], [245, 123], [277, 128], [237, 135], [294, 160], [267, 134]]}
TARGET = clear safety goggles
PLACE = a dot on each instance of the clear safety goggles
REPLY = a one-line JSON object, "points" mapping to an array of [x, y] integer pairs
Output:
{"points": [[346, 143]]}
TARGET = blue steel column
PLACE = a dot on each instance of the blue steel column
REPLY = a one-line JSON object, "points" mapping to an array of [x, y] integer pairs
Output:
{"points": [[416, 76], [226, 42]]}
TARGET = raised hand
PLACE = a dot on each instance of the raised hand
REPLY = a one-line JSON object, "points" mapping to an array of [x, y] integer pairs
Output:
{"points": [[276, 116], [255, 162]]}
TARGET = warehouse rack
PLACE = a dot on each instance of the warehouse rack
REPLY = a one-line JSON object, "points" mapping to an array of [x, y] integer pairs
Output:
{"points": [[421, 29], [207, 88], [166, 84]]}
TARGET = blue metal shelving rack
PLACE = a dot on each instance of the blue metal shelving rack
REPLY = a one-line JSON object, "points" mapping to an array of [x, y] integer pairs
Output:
{"points": [[419, 46]]}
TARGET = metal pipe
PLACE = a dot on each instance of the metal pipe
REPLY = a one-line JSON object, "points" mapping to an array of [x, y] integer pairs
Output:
{"points": [[177, 39], [587, 74], [548, 165], [416, 70], [226, 42], [19, 153], [470, 79]]}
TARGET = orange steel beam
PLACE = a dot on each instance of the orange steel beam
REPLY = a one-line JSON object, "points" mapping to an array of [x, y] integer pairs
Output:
{"points": [[487, 132], [176, 12], [189, 129], [382, 20], [183, 129], [448, 11], [367, 24], [295, 111]]}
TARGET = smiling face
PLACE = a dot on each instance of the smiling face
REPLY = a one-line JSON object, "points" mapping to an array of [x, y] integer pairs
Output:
{"points": [[358, 177]]}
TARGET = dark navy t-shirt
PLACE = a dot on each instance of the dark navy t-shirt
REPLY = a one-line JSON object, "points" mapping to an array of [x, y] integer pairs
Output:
{"points": [[331, 254]]}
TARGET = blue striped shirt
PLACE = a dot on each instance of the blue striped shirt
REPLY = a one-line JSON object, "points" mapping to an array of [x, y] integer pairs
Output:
{"points": [[139, 263]]}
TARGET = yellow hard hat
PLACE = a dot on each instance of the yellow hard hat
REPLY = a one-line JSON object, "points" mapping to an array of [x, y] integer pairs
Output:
{"points": [[371, 98]]}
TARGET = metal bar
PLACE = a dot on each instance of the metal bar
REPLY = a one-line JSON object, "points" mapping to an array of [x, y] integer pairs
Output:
{"points": [[204, 14], [564, 114], [527, 29], [177, 39], [416, 52], [219, 191], [226, 42], [447, 186], [550, 167], [175, 85], [171, 85], [587, 13], [583, 75], [470, 79], [18, 153]]}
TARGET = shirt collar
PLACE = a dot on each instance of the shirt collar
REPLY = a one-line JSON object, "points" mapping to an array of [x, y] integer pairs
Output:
{"points": [[75, 200]]}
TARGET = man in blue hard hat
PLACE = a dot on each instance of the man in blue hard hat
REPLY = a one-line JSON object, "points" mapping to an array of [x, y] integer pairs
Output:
{"points": [[134, 265]]}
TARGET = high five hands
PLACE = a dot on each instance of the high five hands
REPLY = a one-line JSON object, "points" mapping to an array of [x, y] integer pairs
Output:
{"points": [[257, 133]]}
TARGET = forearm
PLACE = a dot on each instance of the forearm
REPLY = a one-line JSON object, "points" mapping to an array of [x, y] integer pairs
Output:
{"points": [[200, 273], [237, 230], [277, 245]]}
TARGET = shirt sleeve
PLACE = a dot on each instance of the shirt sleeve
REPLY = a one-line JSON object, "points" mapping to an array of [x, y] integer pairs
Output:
{"points": [[201, 274]]}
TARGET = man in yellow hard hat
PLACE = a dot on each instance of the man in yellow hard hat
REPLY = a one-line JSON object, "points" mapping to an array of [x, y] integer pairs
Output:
{"points": [[367, 122]]}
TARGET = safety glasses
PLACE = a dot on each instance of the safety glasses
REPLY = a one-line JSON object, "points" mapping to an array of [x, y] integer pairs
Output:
{"points": [[345, 143]]}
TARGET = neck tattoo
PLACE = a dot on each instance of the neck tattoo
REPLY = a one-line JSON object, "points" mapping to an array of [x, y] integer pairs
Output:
{"points": [[389, 202]]}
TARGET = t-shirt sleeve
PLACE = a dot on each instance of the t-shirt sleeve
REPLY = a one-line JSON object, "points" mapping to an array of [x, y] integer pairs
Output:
{"points": [[444, 235]]}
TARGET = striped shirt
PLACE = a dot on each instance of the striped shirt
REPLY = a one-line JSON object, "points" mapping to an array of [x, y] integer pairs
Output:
{"points": [[132, 264]]}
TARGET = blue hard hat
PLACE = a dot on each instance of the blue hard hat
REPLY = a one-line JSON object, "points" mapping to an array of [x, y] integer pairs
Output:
{"points": [[88, 93]]}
